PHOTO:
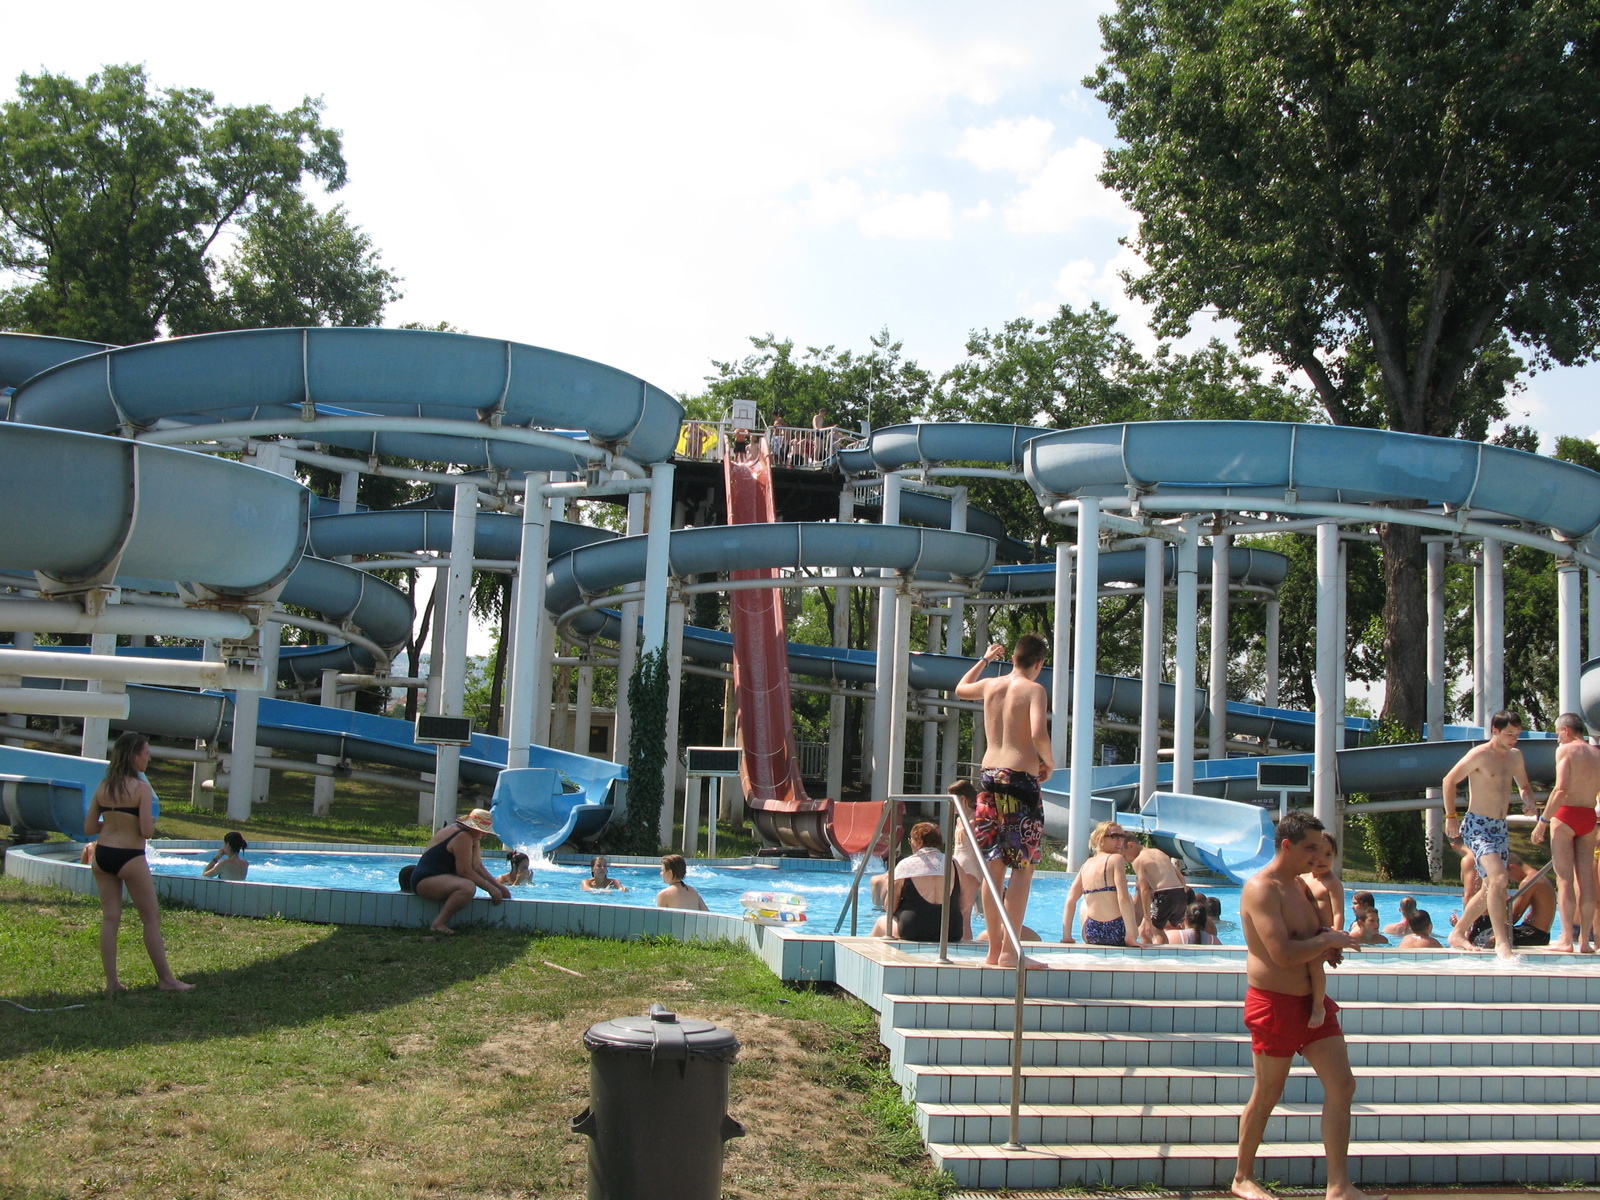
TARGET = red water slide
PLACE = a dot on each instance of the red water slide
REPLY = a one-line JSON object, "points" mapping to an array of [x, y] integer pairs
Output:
{"points": [[771, 769]]}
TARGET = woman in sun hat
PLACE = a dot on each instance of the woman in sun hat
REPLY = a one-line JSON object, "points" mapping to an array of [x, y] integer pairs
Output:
{"points": [[451, 868]]}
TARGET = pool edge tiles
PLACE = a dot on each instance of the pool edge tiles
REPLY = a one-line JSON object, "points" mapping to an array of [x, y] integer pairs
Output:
{"points": [[790, 956]]}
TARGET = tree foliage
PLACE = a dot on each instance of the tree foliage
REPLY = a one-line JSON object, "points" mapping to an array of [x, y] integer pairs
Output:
{"points": [[117, 197], [1383, 196]]}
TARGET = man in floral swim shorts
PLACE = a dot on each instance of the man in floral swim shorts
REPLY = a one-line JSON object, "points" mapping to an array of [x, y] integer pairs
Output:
{"points": [[1009, 815]]}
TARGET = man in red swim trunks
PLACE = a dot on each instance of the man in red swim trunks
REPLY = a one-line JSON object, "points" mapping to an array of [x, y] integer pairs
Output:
{"points": [[1569, 818], [1283, 932]]}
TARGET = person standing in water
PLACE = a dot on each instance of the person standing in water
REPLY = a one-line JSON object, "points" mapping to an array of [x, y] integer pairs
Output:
{"points": [[227, 863], [1009, 821], [121, 820]]}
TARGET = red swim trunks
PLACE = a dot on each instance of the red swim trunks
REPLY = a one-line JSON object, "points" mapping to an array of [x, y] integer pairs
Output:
{"points": [[1576, 817], [1277, 1022]]}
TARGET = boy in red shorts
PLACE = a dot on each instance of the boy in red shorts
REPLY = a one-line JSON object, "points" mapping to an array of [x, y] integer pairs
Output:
{"points": [[1284, 934]]}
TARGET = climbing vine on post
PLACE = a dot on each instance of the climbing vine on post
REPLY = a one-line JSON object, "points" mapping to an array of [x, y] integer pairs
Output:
{"points": [[647, 756]]}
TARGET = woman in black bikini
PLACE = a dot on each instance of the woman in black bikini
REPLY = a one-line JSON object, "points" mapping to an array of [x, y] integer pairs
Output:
{"points": [[120, 819]]}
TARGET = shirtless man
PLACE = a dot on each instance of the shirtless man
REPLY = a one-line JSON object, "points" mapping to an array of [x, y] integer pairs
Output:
{"points": [[1569, 816], [1009, 815], [677, 893], [1284, 933], [1162, 893], [1488, 770], [1533, 911]]}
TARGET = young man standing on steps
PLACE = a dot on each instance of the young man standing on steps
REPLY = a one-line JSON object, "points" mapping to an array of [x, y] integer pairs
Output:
{"points": [[1284, 933], [1009, 816], [1489, 771]]}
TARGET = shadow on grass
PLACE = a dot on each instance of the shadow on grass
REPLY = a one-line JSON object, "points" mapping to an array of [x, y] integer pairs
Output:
{"points": [[348, 971]]}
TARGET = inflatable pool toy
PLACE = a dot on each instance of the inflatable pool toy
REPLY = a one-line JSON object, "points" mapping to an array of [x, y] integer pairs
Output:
{"points": [[773, 908]]}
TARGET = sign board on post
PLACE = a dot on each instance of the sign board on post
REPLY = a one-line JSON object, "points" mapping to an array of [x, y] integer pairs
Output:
{"points": [[720, 762], [711, 762], [434, 730], [1285, 779]]}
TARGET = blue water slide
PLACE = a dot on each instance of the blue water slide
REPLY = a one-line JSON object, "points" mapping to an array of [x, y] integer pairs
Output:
{"points": [[936, 512], [276, 373], [535, 811], [24, 355], [102, 506], [1334, 463], [1589, 692], [1228, 839], [896, 447]]}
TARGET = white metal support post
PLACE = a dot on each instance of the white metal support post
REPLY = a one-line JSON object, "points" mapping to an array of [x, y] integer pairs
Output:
{"points": [[950, 748], [1274, 624], [888, 705], [1185, 650], [657, 558], [1494, 629], [1085, 652], [1341, 668], [97, 730], [1324, 783], [1150, 659], [627, 642], [1217, 719], [669, 767], [899, 615], [526, 618], [548, 647], [1479, 716], [457, 615], [1593, 584], [322, 785], [980, 643], [1061, 656], [1433, 817], [841, 638], [1569, 650]]}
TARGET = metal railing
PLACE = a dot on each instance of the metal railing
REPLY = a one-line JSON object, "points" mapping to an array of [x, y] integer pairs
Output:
{"points": [[994, 906], [793, 446]]}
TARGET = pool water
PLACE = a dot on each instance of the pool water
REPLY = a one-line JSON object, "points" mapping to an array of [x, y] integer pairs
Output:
{"points": [[827, 891]]}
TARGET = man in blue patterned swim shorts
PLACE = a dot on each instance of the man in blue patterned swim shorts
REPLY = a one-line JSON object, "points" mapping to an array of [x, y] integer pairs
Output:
{"points": [[1009, 816], [1488, 770]]}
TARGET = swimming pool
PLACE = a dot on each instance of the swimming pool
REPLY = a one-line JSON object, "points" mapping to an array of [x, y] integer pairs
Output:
{"points": [[827, 891]]}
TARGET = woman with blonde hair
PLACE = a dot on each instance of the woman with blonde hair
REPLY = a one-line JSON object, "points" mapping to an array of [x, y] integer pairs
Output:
{"points": [[121, 819], [1108, 916]]}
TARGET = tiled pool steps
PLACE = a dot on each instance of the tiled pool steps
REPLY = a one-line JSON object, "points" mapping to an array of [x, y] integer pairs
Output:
{"points": [[1493, 1078]]}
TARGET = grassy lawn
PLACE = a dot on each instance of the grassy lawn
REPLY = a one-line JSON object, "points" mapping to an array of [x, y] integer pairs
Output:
{"points": [[328, 1061]]}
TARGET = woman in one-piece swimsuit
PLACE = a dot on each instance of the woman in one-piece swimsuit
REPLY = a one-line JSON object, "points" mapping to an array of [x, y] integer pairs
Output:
{"points": [[120, 819]]}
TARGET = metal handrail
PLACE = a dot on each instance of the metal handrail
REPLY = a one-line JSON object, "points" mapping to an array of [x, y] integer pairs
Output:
{"points": [[995, 904]]}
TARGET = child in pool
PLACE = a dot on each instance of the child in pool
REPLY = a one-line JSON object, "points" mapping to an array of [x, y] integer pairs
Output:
{"points": [[598, 880]]}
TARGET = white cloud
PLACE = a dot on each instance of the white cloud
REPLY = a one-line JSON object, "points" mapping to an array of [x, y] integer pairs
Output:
{"points": [[1020, 146], [926, 215], [1065, 193], [834, 200], [981, 211]]}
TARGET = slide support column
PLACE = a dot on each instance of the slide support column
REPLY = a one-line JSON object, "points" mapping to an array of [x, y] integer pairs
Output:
{"points": [[1155, 611], [657, 557], [1324, 784], [1217, 719], [627, 642], [1569, 602], [1433, 817], [322, 785], [840, 639], [526, 618], [887, 704], [1084, 655], [1494, 628], [457, 616], [1061, 658], [669, 768], [1186, 649]]}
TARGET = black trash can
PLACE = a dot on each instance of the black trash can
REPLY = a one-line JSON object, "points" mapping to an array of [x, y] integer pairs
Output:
{"points": [[658, 1101]]}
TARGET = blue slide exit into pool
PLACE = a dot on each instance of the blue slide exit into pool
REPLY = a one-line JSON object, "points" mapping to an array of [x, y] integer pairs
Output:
{"points": [[534, 812], [1228, 838]]}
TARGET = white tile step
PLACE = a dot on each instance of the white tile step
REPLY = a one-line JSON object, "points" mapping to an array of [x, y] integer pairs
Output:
{"points": [[1231, 1085], [1372, 1164], [1066, 1048], [989, 1014], [1443, 1125]]}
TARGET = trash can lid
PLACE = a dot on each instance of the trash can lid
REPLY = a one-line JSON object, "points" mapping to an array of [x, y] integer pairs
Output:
{"points": [[663, 1034]]}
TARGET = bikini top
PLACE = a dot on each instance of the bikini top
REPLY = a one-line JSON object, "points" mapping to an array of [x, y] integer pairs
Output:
{"points": [[1109, 887], [134, 811]]}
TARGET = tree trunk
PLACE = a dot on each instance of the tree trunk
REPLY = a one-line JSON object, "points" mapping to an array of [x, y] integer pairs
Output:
{"points": [[497, 685], [1405, 627]]}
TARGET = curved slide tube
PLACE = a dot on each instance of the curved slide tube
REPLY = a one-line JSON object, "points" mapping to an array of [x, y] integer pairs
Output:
{"points": [[278, 373], [24, 355]]}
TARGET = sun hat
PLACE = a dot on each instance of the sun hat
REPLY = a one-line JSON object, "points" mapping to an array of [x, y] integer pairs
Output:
{"points": [[480, 820]]}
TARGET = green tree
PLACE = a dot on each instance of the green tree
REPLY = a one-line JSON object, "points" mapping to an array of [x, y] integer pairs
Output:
{"points": [[1383, 196], [879, 386], [114, 194], [297, 266]]}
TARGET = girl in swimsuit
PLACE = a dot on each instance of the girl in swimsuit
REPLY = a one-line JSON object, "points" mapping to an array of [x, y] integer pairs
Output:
{"points": [[1108, 916], [120, 820]]}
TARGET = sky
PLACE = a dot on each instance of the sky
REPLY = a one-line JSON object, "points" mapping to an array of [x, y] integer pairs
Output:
{"points": [[650, 184]]}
